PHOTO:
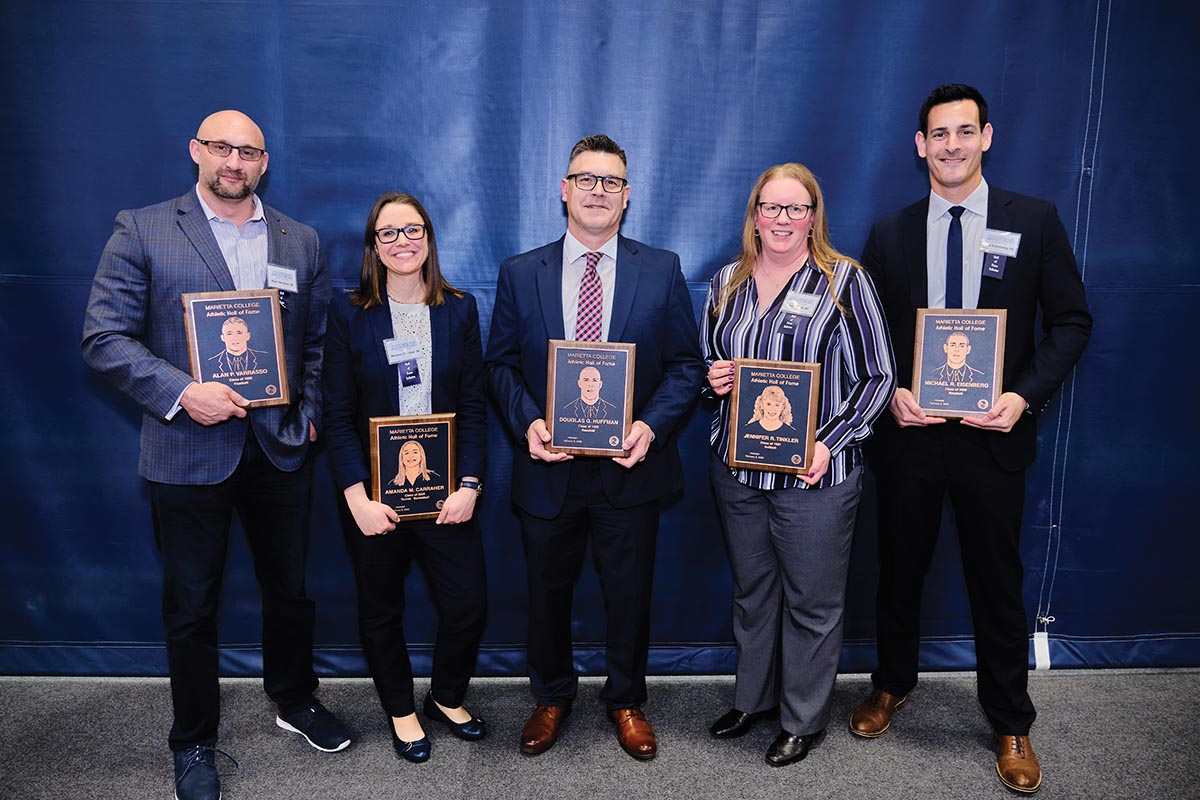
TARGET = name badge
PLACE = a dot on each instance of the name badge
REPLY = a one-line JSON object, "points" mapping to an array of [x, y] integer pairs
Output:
{"points": [[1004, 243], [800, 303], [403, 353], [282, 278], [796, 305]]}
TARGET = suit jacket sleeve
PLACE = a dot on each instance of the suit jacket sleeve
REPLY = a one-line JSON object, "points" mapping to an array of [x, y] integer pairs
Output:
{"points": [[505, 380], [683, 367], [471, 405], [1065, 318], [314, 337], [116, 320], [347, 456]]}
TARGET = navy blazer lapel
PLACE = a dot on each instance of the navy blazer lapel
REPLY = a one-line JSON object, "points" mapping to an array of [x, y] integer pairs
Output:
{"points": [[916, 253], [195, 227], [379, 327], [549, 288], [629, 269], [999, 217]]}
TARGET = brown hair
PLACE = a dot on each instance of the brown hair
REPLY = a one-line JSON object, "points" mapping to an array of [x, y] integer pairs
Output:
{"points": [[372, 282], [597, 143]]}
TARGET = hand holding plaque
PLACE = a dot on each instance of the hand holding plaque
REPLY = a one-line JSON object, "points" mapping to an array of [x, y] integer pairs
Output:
{"points": [[958, 360], [236, 339], [773, 415], [412, 463], [589, 397]]}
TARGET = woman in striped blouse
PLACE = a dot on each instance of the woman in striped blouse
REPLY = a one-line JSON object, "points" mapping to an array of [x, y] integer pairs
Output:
{"points": [[789, 536]]}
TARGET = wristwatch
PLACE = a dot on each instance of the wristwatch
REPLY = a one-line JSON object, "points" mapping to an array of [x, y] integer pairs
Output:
{"points": [[468, 483]]}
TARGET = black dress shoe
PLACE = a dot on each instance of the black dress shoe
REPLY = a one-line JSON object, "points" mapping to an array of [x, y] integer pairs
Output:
{"points": [[472, 730], [788, 748], [733, 724], [416, 752]]}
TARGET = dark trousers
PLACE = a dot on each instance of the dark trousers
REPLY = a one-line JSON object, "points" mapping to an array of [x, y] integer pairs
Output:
{"points": [[988, 502], [191, 528], [451, 558], [623, 546]]}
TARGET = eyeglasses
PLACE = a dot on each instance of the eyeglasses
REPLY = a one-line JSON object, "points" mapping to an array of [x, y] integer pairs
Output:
{"points": [[389, 235], [222, 150], [587, 181], [796, 211]]}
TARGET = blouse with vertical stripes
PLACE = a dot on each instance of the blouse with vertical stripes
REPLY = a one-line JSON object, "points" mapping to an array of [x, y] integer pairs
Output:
{"points": [[853, 349]]}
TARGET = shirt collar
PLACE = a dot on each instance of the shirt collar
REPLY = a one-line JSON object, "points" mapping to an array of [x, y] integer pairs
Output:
{"points": [[573, 249], [211, 215], [976, 203]]}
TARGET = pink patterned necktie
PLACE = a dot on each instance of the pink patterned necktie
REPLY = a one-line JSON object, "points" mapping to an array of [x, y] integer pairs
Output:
{"points": [[590, 315]]}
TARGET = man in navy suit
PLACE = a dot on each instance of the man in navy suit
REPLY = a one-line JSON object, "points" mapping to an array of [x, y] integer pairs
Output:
{"points": [[592, 284], [204, 453], [967, 245]]}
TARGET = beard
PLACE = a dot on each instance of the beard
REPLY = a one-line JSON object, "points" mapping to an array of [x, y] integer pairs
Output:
{"points": [[241, 192]]}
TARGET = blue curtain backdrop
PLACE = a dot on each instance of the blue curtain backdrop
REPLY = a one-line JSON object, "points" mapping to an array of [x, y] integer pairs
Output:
{"points": [[473, 107]]}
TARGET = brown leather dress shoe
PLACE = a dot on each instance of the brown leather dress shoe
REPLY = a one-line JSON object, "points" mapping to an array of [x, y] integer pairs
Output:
{"points": [[1017, 765], [541, 730], [634, 733], [874, 715]]}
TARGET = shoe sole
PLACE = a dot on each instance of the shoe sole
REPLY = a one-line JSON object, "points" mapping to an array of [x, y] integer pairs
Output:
{"points": [[291, 729], [881, 731], [1021, 789], [535, 751], [638, 756]]}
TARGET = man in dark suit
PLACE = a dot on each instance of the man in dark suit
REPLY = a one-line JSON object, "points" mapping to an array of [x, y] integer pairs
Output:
{"points": [[967, 245], [592, 284], [203, 452]]}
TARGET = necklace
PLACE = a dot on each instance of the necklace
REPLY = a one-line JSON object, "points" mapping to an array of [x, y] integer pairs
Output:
{"points": [[420, 298], [776, 284]]}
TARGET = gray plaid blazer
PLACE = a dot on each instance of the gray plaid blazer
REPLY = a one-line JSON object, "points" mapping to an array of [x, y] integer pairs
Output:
{"points": [[133, 333]]}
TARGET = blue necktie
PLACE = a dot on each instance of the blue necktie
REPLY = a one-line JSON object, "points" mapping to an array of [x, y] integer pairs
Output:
{"points": [[954, 259]]}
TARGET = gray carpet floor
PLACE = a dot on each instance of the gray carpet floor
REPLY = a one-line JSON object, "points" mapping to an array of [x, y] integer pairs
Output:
{"points": [[1110, 734]]}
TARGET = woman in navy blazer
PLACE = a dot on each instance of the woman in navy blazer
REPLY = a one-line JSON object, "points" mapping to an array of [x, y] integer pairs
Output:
{"points": [[402, 295]]}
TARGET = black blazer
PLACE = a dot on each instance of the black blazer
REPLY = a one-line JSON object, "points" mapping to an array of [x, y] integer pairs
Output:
{"points": [[360, 383], [652, 309], [1041, 276]]}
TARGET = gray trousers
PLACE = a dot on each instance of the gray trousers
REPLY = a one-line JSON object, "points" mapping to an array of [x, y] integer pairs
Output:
{"points": [[789, 550]]}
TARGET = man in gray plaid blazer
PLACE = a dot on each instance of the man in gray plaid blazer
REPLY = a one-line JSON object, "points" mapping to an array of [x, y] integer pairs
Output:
{"points": [[206, 454]]}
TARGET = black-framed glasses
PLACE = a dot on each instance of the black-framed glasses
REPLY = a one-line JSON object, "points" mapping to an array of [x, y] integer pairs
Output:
{"points": [[795, 211], [389, 235], [587, 181], [223, 149]]}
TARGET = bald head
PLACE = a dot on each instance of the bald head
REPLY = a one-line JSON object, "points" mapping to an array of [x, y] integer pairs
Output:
{"points": [[230, 152], [231, 127]]}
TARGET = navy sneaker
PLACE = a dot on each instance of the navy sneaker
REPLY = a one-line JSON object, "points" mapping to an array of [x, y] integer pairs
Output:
{"points": [[196, 773], [318, 726]]}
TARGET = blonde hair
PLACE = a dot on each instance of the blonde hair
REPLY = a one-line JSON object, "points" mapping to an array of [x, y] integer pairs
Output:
{"points": [[773, 393], [423, 469], [822, 253]]}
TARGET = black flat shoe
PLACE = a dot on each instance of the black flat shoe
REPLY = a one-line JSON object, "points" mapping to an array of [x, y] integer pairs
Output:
{"points": [[733, 724], [415, 752], [789, 748], [472, 730]]}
